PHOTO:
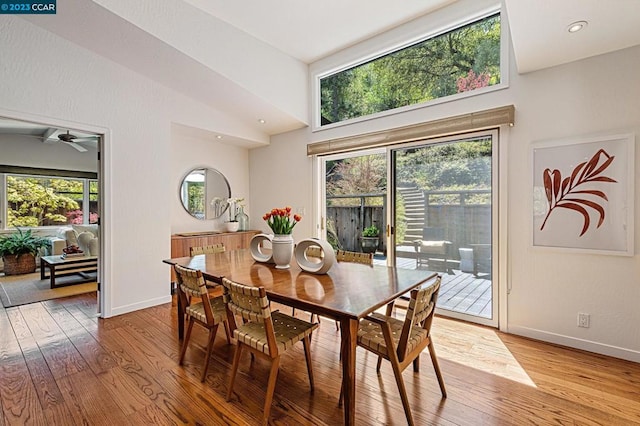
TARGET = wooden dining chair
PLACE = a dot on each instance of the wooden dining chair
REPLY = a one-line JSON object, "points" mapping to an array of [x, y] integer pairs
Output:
{"points": [[208, 313], [354, 257], [264, 333], [210, 249], [402, 342], [351, 257]]}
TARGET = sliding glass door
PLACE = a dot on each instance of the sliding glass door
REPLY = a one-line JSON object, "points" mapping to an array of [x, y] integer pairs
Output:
{"points": [[443, 219], [438, 197]]}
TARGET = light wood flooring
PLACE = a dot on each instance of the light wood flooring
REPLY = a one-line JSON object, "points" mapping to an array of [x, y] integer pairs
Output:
{"points": [[60, 365]]}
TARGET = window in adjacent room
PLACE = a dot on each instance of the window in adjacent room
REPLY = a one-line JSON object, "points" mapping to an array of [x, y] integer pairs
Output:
{"points": [[36, 201]]}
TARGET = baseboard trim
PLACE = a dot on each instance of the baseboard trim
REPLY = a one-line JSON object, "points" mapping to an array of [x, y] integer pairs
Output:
{"points": [[140, 305], [572, 342]]}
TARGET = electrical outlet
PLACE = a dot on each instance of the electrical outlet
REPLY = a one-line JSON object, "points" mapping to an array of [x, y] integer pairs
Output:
{"points": [[583, 320]]}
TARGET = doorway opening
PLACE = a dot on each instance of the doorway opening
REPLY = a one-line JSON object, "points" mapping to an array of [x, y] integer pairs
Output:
{"points": [[50, 186]]}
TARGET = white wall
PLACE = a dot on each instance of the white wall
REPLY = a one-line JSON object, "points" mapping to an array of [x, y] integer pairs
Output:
{"points": [[281, 175], [48, 77], [188, 153], [593, 96], [548, 288]]}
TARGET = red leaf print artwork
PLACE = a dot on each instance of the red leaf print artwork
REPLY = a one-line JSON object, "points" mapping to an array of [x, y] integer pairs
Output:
{"points": [[567, 193]]}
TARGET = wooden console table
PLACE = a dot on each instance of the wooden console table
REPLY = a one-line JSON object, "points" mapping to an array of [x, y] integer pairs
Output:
{"points": [[182, 242]]}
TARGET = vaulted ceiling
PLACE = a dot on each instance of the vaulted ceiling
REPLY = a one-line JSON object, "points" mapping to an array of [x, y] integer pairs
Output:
{"points": [[251, 59]]}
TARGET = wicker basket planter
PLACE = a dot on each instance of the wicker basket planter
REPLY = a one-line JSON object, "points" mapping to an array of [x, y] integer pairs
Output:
{"points": [[17, 265]]}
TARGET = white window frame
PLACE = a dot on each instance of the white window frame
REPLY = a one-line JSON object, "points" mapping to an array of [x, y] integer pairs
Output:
{"points": [[318, 74], [86, 196]]}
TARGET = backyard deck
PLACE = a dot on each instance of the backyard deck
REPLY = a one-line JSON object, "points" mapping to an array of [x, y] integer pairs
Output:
{"points": [[459, 292]]}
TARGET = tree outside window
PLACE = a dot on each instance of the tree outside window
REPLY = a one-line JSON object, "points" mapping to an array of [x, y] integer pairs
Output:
{"points": [[48, 201], [461, 60]]}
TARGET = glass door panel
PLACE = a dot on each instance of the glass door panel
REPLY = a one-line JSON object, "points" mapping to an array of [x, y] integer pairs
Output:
{"points": [[354, 192], [443, 220]]}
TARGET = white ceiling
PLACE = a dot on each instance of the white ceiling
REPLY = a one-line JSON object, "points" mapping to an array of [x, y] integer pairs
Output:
{"points": [[18, 127], [306, 31], [541, 40], [40, 133], [310, 30]]}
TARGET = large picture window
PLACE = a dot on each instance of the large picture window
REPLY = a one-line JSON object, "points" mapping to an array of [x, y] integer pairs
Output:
{"points": [[36, 201], [461, 60]]}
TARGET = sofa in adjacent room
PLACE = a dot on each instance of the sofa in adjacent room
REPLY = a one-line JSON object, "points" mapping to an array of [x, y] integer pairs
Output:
{"points": [[83, 236]]}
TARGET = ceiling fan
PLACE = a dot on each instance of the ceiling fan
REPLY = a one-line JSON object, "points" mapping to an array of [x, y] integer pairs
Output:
{"points": [[53, 135], [68, 138]]}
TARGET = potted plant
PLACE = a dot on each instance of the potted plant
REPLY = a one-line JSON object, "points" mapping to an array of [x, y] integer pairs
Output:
{"points": [[232, 224], [369, 240], [19, 250]]}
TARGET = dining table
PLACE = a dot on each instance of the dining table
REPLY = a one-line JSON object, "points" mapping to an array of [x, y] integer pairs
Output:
{"points": [[347, 293]]}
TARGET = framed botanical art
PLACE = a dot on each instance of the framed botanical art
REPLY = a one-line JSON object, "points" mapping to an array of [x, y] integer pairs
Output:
{"points": [[583, 194]]}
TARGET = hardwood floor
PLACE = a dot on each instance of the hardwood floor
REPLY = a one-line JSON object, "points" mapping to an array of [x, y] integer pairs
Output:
{"points": [[60, 365]]}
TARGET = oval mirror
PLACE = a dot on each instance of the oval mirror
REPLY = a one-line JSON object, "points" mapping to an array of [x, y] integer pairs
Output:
{"points": [[204, 193]]}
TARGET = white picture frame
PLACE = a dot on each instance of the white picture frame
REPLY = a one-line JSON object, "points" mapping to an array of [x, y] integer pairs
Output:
{"points": [[583, 194]]}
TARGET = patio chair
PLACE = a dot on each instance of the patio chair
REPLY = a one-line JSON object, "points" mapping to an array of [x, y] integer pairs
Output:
{"points": [[264, 333], [481, 258], [433, 245], [208, 313], [402, 342]]}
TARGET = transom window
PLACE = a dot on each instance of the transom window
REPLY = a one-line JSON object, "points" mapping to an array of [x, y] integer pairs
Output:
{"points": [[36, 201], [461, 60]]}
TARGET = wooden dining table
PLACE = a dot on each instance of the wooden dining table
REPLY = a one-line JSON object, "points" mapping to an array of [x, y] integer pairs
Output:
{"points": [[347, 293]]}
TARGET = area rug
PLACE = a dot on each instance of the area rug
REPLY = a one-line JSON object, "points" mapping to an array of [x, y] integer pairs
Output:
{"points": [[22, 289]]}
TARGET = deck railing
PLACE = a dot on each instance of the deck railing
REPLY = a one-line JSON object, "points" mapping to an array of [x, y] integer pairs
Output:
{"points": [[464, 216]]}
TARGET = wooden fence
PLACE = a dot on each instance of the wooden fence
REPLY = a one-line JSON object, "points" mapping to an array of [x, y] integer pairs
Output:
{"points": [[348, 222], [463, 222]]}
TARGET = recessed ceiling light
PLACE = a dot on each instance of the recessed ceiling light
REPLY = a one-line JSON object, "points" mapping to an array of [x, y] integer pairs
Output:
{"points": [[261, 120], [576, 26], [219, 136]]}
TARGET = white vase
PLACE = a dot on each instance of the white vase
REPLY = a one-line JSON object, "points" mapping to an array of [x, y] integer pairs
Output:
{"points": [[232, 226], [282, 246], [319, 265]]}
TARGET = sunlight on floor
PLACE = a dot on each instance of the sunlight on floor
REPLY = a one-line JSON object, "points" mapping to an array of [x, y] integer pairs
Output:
{"points": [[476, 347]]}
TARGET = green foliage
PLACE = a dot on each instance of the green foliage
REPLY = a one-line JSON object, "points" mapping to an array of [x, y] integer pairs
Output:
{"points": [[196, 198], [22, 242], [365, 174], [401, 218], [450, 166], [281, 221], [40, 201], [370, 231], [332, 235], [416, 74]]}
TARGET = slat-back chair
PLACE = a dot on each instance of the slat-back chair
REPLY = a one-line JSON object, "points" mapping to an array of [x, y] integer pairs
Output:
{"points": [[354, 257], [209, 312], [210, 249], [264, 333], [402, 342]]}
